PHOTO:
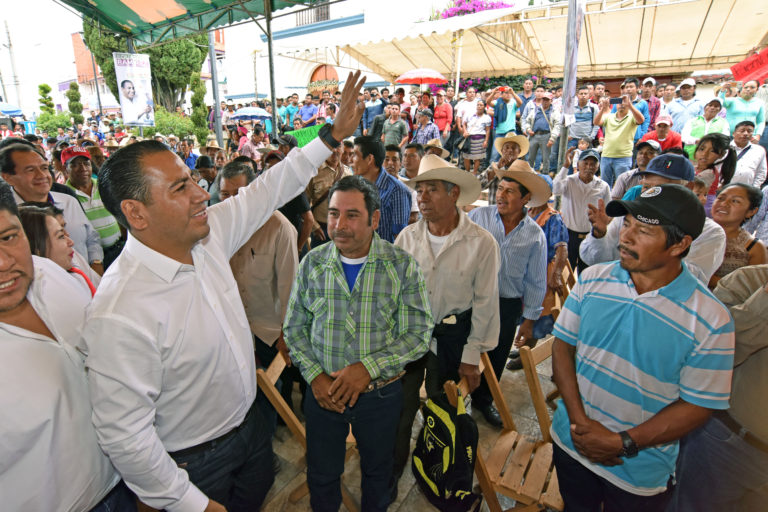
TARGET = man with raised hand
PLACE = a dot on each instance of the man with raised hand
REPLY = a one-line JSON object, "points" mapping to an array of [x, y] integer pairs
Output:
{"points": [[176, 416]]}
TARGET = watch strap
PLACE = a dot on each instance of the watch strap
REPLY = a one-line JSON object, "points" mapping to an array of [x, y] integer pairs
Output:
{"points": [[325, 135], [629, 447]]}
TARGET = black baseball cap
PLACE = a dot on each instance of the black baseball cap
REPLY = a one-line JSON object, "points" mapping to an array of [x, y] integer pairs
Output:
{"points": [[671, 166], [286, 139], [665, 205]]}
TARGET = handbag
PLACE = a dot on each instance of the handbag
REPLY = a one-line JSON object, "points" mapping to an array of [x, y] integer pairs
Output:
{"points": [[464, 145]]}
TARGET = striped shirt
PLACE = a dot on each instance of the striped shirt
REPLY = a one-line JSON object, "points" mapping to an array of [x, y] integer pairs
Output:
{"points": [[395, 199], [103, 221], [384, 321], [635, 355], [523, 272]]}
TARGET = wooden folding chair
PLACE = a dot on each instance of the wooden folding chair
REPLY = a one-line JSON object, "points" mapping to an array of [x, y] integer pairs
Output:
{"points": [[266, 380], [517, 466]]}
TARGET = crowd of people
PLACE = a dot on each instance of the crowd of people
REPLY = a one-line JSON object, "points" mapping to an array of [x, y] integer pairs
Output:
{"points": [[142, 284]]}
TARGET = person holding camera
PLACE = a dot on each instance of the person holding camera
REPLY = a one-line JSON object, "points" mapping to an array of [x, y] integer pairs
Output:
{"points": [[619, 128]]}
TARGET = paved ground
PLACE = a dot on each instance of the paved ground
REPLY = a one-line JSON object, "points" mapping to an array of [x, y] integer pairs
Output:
{"points": [[410, 497]]}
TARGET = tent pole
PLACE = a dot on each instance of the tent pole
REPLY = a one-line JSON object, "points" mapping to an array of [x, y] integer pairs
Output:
{"points": [[215, 84], [268, 17], [573, 34], [458, 63]]}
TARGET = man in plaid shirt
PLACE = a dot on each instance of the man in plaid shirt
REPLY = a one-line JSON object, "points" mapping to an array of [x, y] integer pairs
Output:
{"points": [[358, 313]]}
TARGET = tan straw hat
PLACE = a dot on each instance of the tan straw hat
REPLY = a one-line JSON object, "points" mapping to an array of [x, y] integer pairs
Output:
{"points": [[517, 139], [213, 144], [521, 172], [433, 167], [435, 143]]}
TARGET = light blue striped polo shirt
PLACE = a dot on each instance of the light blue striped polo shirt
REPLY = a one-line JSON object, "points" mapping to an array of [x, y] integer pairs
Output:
{"points": [[636, 354]]}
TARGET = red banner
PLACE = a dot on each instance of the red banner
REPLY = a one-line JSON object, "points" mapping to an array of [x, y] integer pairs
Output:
{"points": [[754, 67]]}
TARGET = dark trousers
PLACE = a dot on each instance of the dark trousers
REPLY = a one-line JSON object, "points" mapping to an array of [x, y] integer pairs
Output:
{"points": [[119, 499], [316, 242], [511, 310], [574, 242], [237, 471], [412, 381], [112, 252], [374, 421], [584, 491]]}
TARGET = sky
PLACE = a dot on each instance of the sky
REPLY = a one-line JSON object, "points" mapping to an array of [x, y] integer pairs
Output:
{"points": [[42, 46]]}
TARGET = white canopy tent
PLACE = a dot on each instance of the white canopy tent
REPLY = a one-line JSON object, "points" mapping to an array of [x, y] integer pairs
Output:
{"points": [[620, 37]]}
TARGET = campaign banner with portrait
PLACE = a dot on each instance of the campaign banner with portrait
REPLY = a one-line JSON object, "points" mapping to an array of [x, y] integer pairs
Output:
{"points": [[134, 83]]}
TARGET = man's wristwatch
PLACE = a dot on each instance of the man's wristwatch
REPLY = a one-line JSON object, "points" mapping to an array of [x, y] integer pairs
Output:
{"points": [[629, 448], [325, 136]]}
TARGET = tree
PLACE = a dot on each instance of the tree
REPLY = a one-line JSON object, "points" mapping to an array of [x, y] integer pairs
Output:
{"points": [[199, 112], [172, 63], [74, 105], [46, 102], [170, 123], [51, 121]]}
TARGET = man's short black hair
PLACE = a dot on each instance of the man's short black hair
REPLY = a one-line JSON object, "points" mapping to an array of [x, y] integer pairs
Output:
{"points": [[523, 190], [392, 147], [744, 123], [385, 89], [257, 131], [51, 140], [631, 80], [540, 87], [371, 146], [400, 90], [7, 165], [7, 201], [31, 137], [242, 159], [599, 83], [348, 143], [415, 145], [122, 84], [368, 189], [239, 168], [674, 236], [582, 87], [121, 177]]}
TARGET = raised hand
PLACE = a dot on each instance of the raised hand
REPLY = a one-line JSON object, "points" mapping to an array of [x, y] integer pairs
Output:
{"points": [[350, 111]]}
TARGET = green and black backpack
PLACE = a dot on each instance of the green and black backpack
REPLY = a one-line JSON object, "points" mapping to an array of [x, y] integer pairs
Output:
{"points": [[444, 456]]}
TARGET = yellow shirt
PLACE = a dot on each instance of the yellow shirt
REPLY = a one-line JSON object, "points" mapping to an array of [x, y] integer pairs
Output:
{"points": [[619, 135]]}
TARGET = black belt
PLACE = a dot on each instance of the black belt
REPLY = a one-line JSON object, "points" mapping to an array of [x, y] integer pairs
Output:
{"points": [[735, 427], [185, 452], [541, 132], [578, 234]]}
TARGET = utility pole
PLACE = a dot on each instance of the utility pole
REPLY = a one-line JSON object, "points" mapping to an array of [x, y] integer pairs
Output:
{"points": [[255, 74], [13, 66], [95, 77], [2, 83], [215, 84]]}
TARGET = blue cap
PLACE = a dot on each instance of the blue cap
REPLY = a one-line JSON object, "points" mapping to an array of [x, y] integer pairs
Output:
{"points": [[546, 178], [589, 153], [671, 166]]}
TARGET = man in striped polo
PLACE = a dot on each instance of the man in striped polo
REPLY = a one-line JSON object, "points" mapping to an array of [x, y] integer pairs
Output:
{"points": [[643, 354], [78, 164]]}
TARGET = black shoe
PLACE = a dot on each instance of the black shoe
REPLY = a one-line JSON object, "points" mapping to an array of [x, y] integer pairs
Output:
{"points": [[514, 353], [515, 364], [491, 415]]}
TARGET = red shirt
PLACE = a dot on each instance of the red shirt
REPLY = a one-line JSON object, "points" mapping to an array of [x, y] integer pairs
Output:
{"points": [[673, 140], [443, 116]]}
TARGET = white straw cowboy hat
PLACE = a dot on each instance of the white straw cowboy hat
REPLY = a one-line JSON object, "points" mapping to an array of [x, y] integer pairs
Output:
{"points": [[517, 139], [212, 144], [433, 167], [435, 143], [521, 172]]}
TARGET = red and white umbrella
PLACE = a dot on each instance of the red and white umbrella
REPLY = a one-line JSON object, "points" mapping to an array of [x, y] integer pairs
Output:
{"points": [[421, 76]]}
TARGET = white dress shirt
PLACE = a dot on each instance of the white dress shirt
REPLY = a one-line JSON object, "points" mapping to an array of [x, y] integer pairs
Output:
{"points": [[704, 258], [576, 196], [81, 231], [170, 360], [750, 167], [463, 275], [50, 459]]}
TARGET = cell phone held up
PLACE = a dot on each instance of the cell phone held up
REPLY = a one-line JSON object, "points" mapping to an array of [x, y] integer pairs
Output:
{"points": [[616, 101]]}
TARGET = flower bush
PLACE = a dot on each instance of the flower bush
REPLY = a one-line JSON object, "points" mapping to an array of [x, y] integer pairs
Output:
{"points": [[489, 82], [462, 7]]}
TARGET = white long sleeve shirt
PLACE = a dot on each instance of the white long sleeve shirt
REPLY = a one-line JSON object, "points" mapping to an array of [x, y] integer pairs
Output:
{"points": [[170, 358], [50, 459], [750, 166], [576, 196], [463, 274], [704, 258]]}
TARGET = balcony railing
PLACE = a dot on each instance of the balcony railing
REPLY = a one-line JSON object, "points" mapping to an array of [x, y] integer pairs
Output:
{"points": [[313, 15]]}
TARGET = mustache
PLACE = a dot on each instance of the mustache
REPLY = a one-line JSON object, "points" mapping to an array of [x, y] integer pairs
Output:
{"points": [[341, 233], [629, 251]]}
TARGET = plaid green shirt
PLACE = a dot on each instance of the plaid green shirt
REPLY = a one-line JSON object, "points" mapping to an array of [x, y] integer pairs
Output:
{"points": [[384, 322]]}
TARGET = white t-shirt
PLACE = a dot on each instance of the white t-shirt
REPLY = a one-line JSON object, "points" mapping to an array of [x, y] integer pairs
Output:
{"points": [[436, 242]]}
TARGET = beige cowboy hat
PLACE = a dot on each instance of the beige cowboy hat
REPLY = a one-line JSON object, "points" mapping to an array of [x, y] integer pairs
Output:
{"points": [[435, 143], [266, 149], [213, 144], [111, 144], [432, 167], [517, 139], [521, 172]]}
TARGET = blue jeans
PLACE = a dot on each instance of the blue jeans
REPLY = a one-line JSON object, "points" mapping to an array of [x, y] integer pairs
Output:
{"points": [[236, 472], [553, 156], [611, 168], [119, 499], [717, 470], [374, 420]]}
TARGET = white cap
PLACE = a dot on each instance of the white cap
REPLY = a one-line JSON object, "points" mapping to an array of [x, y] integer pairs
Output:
{"points": [[649, 79], [688, 81]]}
